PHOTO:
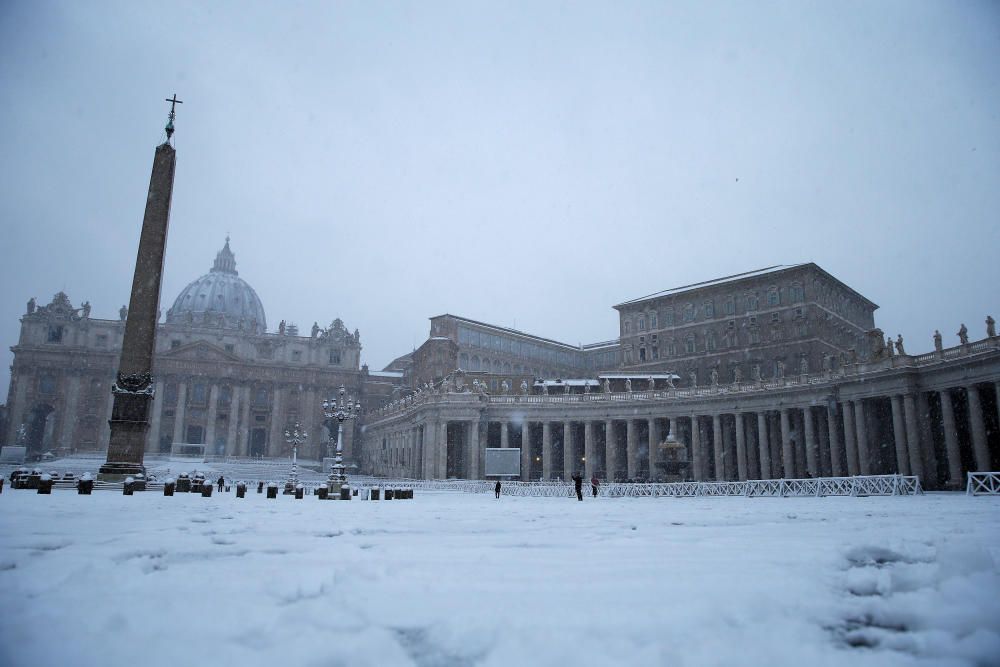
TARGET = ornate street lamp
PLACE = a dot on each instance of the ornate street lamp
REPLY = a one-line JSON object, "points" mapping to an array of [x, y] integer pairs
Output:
{"points": [[340, 409], [295, 437]]}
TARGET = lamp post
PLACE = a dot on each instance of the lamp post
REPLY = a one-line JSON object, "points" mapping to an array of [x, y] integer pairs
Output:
{"points": [[295, 436], [340, 409]]}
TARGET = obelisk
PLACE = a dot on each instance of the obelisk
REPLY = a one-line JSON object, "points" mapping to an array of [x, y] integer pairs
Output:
{"points": [[133, 387]]}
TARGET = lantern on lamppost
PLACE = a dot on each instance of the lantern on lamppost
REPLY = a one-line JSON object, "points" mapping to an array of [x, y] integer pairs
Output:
{"points": [[295, 436], [340, 409]]}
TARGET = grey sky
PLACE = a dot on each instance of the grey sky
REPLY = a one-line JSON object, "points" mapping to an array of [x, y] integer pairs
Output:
{"points": [[532, 163]]}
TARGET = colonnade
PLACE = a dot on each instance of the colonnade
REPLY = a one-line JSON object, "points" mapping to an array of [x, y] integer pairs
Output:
{"points": [[909, 432]]}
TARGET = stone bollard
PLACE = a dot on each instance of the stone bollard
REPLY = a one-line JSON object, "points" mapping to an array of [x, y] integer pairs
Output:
{"points": [[169, 484], [354, 492], [33, 479], [241, 490], [45, 483], [86, 484], [206, 490], [388, 494], [300, 492], [183, 483], [345, 492], [196, 484], [1, 484], [272, 490], [322, 492], [374, 493], [260, 487], [129, 487]]}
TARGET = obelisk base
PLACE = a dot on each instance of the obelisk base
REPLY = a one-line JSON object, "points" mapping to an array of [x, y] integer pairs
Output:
{"points": [[129, 428]]}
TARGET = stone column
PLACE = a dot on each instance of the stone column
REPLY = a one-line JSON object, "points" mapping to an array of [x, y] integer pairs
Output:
{"points": [[430, 445], [861, 427], [525, 451], [213, 415], [836, 446], [951, 441], [809, 433], [156, 408], [472, 464], [610, 450], [750, 436], [69, 412], [978, 427], [741, 448], [849, 443], [546, 450], [179, 435], [697, 456], [275, 439], [654, 446], [899, 435], [763, 446], [243, 430], [570, 464], [631, 449], [787, 453], [235, 408], [928, 458], [504, 435], [441, 449], [718, 447], [589, 450], [823, 435]]}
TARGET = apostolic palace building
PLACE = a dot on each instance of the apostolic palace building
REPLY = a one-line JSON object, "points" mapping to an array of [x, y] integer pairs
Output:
{"points": [[774, 373]]}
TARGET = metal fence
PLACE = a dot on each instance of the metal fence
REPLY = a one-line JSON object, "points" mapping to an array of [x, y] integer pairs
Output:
{"points": [[866, 485], [983, 484]]}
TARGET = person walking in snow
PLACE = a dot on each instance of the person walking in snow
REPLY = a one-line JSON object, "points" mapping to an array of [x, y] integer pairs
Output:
{"points": [[594, 483], [578, 484], [497, 488], [221, 483]]}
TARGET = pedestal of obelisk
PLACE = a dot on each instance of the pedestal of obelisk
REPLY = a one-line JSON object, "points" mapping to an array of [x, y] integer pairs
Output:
{"points": [[133, 388]]}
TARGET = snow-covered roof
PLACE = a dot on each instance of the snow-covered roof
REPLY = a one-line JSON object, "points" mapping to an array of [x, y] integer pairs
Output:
{"points": [[718, 281], [639, 376], [509, 331], [386, 374]]}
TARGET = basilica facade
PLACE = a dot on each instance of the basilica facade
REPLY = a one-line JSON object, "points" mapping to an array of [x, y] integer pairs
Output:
{"points": [[225, 384]]}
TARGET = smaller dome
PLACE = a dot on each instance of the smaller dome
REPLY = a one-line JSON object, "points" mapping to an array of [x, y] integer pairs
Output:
{"points": [[220, 298]]}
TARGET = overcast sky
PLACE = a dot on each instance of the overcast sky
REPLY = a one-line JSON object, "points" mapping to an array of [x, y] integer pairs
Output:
{"points": [[523, 164]]}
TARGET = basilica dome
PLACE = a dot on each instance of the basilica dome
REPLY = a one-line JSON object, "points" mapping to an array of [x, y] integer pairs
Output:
{"points": [[220, 298]]}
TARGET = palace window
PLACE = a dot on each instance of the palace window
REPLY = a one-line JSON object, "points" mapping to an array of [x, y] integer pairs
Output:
{"points": [[671, 348], [689, 312], [626, 328], [46, 384], [652, 320], [797, 293], [710, 340], [55, 333], [668, 317], [754, 335], [656, 352], [335, 357], [689, 345], [730, 306], [642, 354], [752, 302], [773, 297], [709, 309], [642, 323]]}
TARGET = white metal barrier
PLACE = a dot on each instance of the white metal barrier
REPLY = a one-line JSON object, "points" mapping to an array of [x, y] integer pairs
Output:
{"points": [[866, 485], [983, 484]]}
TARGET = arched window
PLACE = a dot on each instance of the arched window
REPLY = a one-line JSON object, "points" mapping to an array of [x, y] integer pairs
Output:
{"points": [[689, 312], [709, 309], [642, 323], [668, 317]]}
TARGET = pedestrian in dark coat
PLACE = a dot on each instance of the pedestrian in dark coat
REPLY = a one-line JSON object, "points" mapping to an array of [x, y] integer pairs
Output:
{"points": [[497, 488], [221, 483], [578, 484], [594, 483]]}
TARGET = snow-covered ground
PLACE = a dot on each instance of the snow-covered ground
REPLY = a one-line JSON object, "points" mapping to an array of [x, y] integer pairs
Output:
{"points": [[456, 579]]}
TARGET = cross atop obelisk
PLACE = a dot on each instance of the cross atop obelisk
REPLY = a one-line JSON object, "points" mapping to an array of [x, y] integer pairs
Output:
{"points": [[170, 119], [133, 389]]}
